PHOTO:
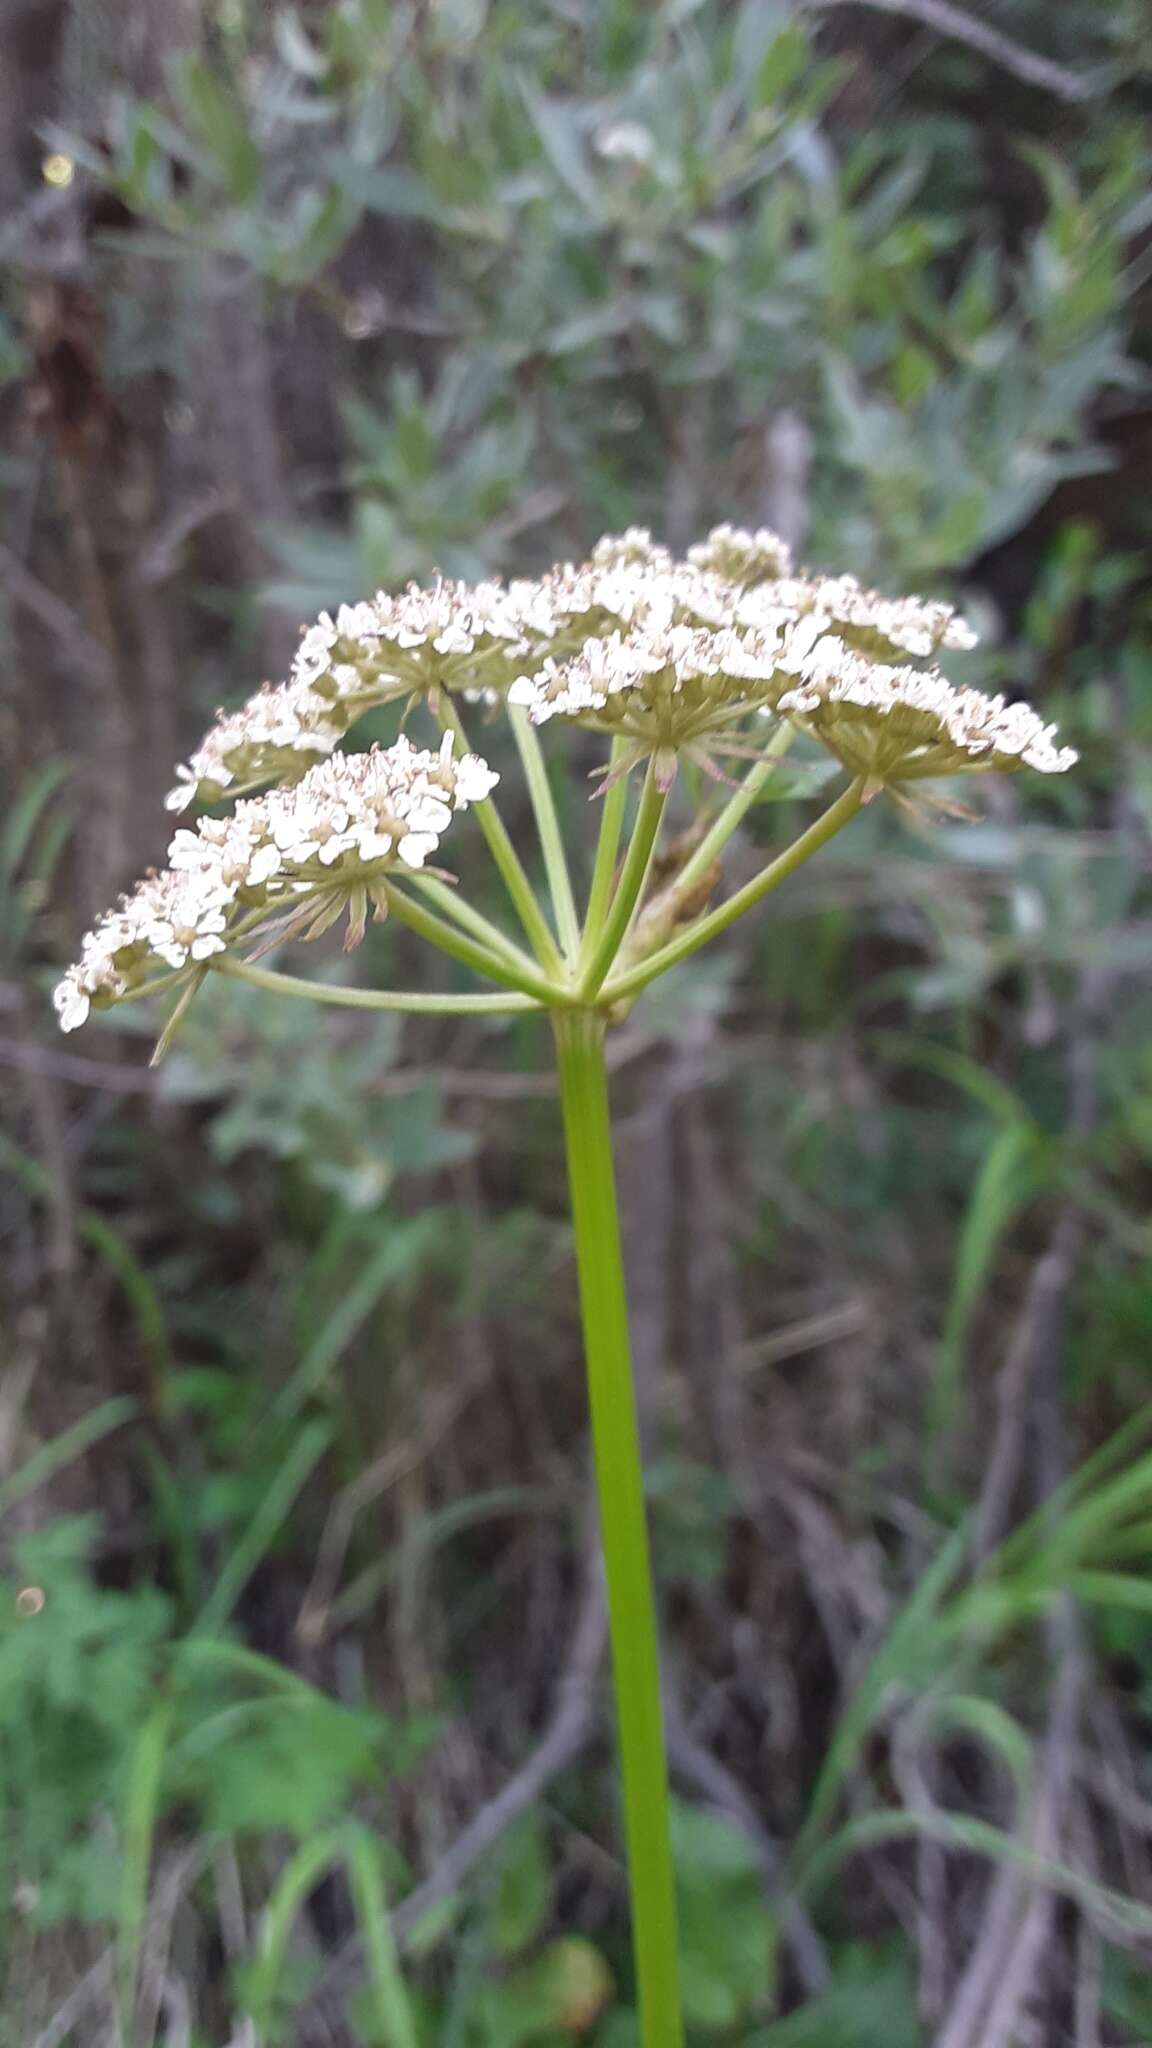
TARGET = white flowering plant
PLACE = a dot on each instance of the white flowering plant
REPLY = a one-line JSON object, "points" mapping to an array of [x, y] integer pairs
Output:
{"points": [[720, 659]]}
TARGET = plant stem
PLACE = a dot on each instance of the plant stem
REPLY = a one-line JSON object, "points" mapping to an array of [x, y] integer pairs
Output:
{"points": [[504, 854], [737, 808], [370, 998], [362, 1856], [824, 828], [623, 1526], [613, 806], [138, 1839], [548, 827], [458, 910], [494, 966], [629, 889]]}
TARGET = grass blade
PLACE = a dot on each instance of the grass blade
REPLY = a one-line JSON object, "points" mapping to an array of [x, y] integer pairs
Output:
{"points": [[140, 1809], [262, 1531], [393, 2011], [1007, 1179], [402, 1248], [299, 1876], [72, 1443]]}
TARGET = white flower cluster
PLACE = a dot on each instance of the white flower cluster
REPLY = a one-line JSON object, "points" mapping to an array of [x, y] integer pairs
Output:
{"points": [[634, 548], [480, 639], [904, 724], [666, 681], [742, 557], [302, 850], [872, 624], [451, 635], [699, 645]]}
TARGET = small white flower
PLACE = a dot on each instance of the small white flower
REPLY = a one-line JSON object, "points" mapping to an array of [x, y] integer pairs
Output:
{"points": [[415, 847], [186, 791], [186, 850], [372, 845], [625, 142], [266, 861], [71, 1002], [328, 850]]}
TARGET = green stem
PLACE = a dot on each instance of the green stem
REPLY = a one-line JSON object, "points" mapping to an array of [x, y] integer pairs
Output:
{"points": [[362, 1855], [623, 1525], [736, 809], [630, 887], [824, 828], [494, 966], [504, 854], [158, 987], [458, 909], [369, 998], [612, 808], [142, 1804], [548, 827]]}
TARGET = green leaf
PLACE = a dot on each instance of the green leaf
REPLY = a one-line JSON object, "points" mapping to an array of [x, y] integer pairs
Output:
{"points": [[218, 117], [389, 189], [557, 128], [403, 1245], [120, 1259], [872, 2004], [726, 1931], [141, 1811], [1008, 1178], [556, 1997], [294, 46], [53, 1457], [280, 1761], [26, 814], [327, 222], [303, 1455], [523, 1887], [782, 63]]}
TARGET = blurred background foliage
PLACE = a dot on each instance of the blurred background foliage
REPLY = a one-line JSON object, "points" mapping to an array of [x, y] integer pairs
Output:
{"points": [[298, 1621]]}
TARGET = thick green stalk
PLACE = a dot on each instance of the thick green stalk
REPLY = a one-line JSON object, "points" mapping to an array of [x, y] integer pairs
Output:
{"points": [[824, 828], [548, 828], [629, 888], [370, 998], [623, 1525], [520, 890]]}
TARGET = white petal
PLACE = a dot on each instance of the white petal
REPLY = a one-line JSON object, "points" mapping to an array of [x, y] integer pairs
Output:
{"points": [[71, 1003], [415, 847]]}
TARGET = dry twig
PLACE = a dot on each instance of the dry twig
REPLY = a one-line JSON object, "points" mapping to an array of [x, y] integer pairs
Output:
{"points": [[958, 27], [700, 1769], [94, 1985], [573, 1723], [1005, 1962], [375, 1480], [80, 647]]}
